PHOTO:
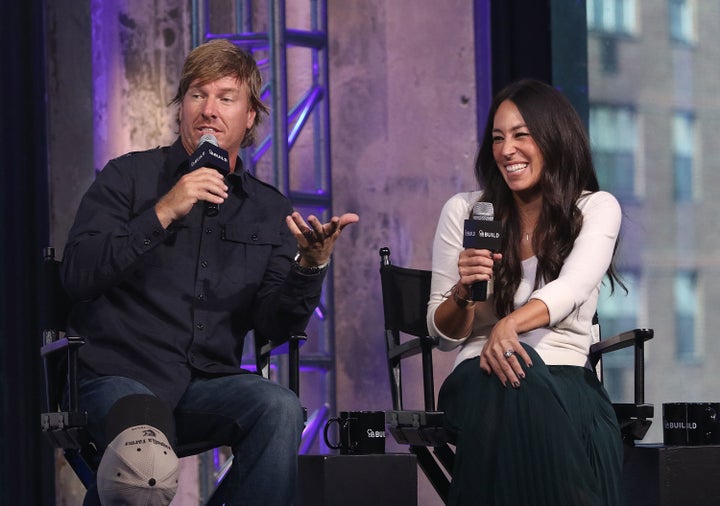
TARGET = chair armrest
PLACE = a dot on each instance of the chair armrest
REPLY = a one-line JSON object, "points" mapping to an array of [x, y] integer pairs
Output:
{"points": [[270, 347], [412, 347], [422, 345], [635, 337], [69, 343], [265, 348]]}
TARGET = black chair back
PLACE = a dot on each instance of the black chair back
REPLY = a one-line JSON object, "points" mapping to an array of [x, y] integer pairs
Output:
{"points": [[405, 295]]}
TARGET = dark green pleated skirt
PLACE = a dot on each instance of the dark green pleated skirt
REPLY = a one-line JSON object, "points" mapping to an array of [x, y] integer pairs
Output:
{"points": [[554, 441]]}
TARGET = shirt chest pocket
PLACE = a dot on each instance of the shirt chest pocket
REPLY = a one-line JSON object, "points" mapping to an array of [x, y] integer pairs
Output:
{"points": [[246, 250]]}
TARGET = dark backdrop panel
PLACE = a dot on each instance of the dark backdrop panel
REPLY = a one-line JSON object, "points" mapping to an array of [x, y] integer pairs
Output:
{"points": [[26, 475], [521, 41], [541, 39]]}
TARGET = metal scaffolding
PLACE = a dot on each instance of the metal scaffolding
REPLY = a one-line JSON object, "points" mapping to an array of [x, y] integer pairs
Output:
{"points": [[293, 153]]}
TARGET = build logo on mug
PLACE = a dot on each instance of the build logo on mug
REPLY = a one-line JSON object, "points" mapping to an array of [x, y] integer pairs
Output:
{"points": [[691, 423], [359, 432]]}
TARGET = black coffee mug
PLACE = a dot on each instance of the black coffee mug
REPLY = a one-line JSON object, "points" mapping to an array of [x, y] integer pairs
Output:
{"points": [[359, 432], [691, 423]]}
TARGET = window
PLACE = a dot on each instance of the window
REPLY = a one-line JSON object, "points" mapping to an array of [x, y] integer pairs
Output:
{"points": [[617, 313], [612, 16], [681, 14], [609, 55], [684, 150], [613, 138], [686, 308]]}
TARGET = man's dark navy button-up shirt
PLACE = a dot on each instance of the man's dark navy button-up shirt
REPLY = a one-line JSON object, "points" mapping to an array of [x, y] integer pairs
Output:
{"points": [[158, 305]]}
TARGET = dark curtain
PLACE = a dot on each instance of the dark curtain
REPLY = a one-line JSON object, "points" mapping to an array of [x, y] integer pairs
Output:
{"points": [[521, 41], [26, 469], [541, 39]]}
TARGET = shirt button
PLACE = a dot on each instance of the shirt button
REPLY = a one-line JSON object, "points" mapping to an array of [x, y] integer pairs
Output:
{"points": [[254, 237], [200, 325], [146, 242], [204, 263], [208, 231], [201, 296]]}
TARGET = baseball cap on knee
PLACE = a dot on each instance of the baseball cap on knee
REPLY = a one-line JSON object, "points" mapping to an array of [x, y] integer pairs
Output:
{"points": [[139, 466]]}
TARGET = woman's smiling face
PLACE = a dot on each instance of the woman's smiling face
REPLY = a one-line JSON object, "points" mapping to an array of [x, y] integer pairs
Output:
{"points": [[515, 152]]}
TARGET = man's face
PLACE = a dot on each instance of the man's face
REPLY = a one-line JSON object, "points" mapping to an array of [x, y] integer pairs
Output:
{"points": [[220, 108]]}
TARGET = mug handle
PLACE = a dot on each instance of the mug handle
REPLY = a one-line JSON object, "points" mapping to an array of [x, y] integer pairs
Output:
{"points": [[334, 446]]}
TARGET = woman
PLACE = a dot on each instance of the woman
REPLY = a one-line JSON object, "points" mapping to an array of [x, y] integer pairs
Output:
{"points": [[534, 426]]}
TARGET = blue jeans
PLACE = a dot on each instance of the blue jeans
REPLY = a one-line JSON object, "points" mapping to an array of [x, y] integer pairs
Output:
{"points": [[260, 420]]}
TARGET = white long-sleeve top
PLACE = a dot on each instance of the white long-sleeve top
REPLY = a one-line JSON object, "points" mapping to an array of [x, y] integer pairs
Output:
{"points": [[571, 299]]}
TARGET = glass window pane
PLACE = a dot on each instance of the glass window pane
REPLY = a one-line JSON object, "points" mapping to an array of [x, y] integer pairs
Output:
{"points": [[617, 313], [683, 179], [612, 16], [682, 24], [685, 309], [683, 159], [612, 137]]}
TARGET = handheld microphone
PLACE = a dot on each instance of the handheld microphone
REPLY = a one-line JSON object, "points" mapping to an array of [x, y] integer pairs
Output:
{"points": [[209, 154], [482, 232]]}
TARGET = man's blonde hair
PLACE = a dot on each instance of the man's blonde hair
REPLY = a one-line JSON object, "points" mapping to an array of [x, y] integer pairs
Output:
{"points": [[221, 58]]}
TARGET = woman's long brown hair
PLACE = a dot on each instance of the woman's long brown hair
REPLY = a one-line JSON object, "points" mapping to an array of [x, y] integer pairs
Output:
{"points": [[568, 172]]}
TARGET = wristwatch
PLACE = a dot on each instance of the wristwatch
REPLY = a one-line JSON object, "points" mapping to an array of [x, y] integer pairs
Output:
{"points": [[307, 270]]}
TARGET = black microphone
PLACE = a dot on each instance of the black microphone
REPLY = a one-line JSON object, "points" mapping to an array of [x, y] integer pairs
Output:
{"points": [[482, 232], [209, 154]]}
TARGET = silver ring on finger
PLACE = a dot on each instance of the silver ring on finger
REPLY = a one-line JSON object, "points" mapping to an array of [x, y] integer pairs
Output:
{"points": [[509, 353]]}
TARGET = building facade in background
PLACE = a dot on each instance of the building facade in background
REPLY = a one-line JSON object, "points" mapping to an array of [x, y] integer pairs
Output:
{"points": [[654, 92]]}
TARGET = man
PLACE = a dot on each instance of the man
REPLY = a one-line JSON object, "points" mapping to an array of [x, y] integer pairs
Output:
{"points": [[166, 293]]}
